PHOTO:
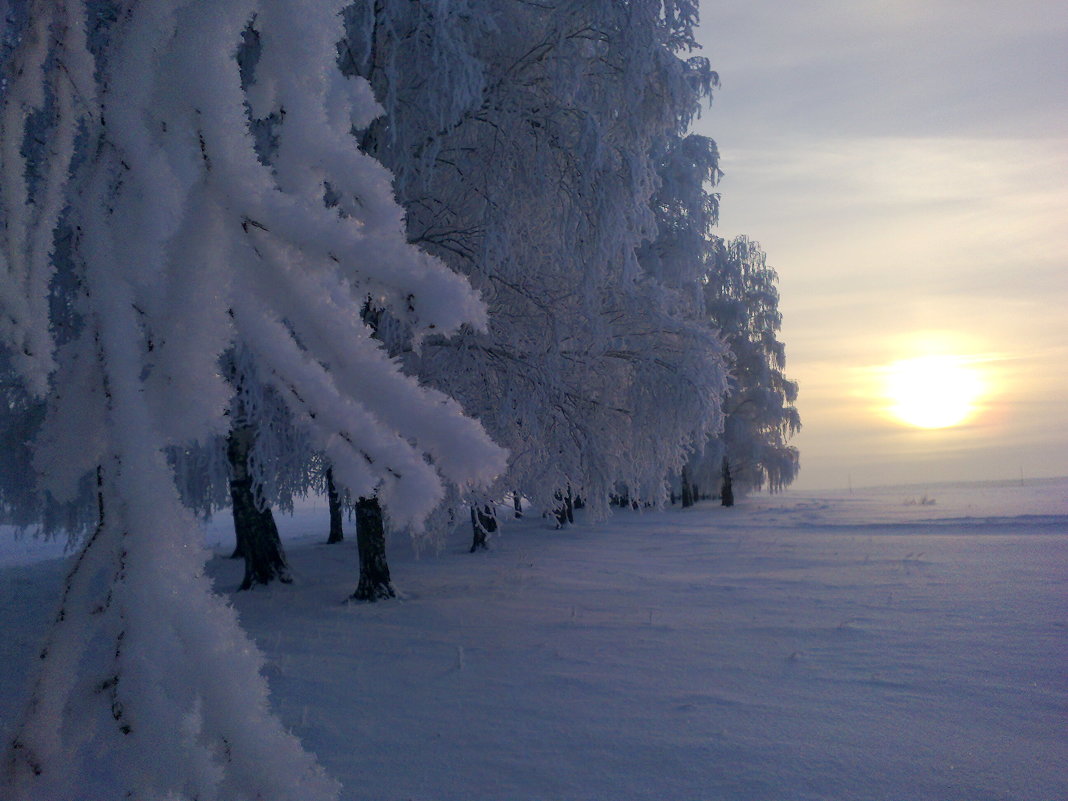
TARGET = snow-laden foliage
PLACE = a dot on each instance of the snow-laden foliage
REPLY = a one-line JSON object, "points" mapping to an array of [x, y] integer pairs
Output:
{"points": [[527, 176], [686, 215], [187, 245], [223, 248], [743, 302], [729, 289], [49, 78]]}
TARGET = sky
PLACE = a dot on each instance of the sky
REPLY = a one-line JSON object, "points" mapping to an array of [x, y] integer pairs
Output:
{"points": [[904, 164]]}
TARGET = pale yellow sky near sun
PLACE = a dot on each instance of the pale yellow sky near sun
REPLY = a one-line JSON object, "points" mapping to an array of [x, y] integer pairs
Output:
{"points": [[901, 230]]}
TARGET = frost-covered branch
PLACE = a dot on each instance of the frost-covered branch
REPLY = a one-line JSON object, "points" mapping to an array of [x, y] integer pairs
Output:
{"points": [[219, 221]]}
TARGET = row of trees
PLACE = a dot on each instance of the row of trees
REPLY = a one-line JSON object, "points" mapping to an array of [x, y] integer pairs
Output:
{"points": [[413, 254]]}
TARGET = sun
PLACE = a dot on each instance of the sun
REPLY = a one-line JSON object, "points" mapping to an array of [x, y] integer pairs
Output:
{"points": [[933, 391]]}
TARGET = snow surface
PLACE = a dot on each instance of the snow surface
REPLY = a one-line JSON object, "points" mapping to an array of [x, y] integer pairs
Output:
{"points": [[808, 645]]}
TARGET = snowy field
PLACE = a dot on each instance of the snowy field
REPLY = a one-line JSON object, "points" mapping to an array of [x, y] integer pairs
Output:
{"points": [[810, 645]]}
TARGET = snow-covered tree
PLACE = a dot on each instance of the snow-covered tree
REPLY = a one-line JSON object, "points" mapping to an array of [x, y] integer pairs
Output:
{"points": [[186, 243], [687, 211], [525, 144], [743, 303], [262, 463], [729, 288]]}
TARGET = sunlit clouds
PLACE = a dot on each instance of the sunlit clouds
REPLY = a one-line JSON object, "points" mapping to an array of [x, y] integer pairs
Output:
{"points": [[905, 167], [878, 239]]}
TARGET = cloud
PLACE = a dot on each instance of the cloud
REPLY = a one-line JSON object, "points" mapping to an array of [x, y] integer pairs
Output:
{"points": [[881, 240], [910, 219], [904, 163], [902, 67]]}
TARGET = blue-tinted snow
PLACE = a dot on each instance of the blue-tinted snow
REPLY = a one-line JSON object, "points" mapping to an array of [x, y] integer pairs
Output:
{"points": [[839, 646]]}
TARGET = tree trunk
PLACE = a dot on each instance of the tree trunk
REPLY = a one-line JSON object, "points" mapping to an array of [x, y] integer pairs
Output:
{"points": [[99, 496], [517, 504], [687, 488], [560, 512], [482, 524], [727, 493], [239, 536], [336, 533], [569, 507], [257, 535], [371, 542]]}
